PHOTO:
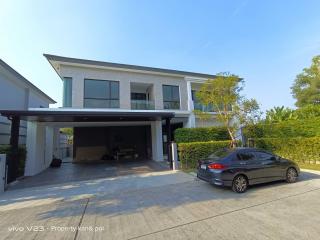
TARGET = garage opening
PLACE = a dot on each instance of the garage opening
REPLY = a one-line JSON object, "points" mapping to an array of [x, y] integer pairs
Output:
{"points": [[112, 143], [99, 135]]}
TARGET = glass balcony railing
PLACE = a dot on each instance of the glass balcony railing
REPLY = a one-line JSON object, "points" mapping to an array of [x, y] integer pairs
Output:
{"points": [[206, 108], [203, 108], [142, 104]]}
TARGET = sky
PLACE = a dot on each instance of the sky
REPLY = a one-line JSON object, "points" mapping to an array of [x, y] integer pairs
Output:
{"points": [[265, 42]]}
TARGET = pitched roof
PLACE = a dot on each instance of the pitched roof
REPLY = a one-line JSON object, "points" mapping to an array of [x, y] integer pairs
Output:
{"points": [[24, 80], [125, 66]]}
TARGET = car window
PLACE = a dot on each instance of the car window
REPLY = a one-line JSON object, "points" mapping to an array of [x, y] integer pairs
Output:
{"points": [[245, 156], [263, 156], [221, 153]]}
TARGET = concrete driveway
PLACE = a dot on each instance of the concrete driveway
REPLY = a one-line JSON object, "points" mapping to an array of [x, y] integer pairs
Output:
{"points": [[162, 205]]}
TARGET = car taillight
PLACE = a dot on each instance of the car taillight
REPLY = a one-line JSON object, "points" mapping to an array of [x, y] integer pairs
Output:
{"points": [[216, 166]]}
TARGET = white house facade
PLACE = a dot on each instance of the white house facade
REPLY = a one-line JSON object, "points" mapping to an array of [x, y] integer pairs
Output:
{"points": [[116, 111], [90, 85]]}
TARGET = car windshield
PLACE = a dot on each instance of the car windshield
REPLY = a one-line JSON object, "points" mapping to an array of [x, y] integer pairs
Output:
{"points": [[221, 153]]}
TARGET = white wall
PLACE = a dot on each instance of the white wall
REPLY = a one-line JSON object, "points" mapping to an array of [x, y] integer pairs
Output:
{"points": [[15, 96], [12, 96], [78, 75], [39, 148]]}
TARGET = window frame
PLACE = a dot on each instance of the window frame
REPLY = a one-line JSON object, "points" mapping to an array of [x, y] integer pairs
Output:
{"points": [[171, 101], [108, 99]]}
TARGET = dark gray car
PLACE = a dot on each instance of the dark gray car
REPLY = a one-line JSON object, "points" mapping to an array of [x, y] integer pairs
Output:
{"points": [[240, 167]]}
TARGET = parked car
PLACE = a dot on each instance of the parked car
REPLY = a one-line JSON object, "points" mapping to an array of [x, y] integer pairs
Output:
{"points": [[240, 167]]}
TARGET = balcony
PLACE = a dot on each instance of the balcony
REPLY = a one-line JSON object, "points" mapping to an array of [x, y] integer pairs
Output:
{"points": [[142, 104], [203, 108], [207, 108]]}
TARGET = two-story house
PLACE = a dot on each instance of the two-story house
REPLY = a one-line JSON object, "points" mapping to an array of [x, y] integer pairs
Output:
{"points": [[127, 88], [116, 108]]}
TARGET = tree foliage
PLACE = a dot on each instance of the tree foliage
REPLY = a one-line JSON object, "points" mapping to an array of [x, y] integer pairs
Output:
{"points": [[308, 111], [306, 87], [280, 114], [233, 110]]}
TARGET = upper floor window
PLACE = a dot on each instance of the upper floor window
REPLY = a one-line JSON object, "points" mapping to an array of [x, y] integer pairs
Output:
{"points": [[101, 93], [67, 92], [171, 97]]}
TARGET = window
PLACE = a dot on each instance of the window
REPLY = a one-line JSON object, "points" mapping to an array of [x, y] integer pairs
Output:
{"points": [[221, 153], [245, 156], [101, 94], [171, 97], [263, 156], [67, 92]]}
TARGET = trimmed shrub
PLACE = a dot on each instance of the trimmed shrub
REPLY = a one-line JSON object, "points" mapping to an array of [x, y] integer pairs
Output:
{"points": [[22, 153], [186, 135], [300, 150], [190, 153], [286, 129]]}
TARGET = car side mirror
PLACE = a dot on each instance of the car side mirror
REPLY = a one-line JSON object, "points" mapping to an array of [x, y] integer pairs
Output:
{"points": [[273, 158]]}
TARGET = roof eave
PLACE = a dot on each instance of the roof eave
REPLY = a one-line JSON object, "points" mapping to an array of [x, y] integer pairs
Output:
{"points": [[27, 82], [61, 59]]}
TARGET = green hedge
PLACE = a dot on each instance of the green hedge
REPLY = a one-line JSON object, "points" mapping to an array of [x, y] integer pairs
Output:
{"points": [[186, 135], [286, 129], [190, 153], [300, 150], [22, 153]]}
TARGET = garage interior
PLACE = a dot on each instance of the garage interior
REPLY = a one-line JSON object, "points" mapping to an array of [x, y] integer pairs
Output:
{"points": [[112, 143]]}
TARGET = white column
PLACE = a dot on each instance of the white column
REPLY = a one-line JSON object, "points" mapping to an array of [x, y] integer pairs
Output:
{"points": [[191, 123], [158, 95], [56, 142], [190, 101], [157, 144], [125, 95], [35, 144], [48, 148], [77, 91]]}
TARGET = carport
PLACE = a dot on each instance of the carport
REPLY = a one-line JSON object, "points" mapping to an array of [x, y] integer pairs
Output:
{"points": [[43, 123]]}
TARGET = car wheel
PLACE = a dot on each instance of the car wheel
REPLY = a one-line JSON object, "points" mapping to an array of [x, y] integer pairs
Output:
{"points": [[240, 184], [292, 175]]}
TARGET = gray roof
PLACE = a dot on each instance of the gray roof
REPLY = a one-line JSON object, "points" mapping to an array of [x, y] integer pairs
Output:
{"points": [[125, 66], [24, 80]]}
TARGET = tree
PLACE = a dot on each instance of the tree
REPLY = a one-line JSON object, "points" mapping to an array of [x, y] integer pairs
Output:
{"points": [[69, 133], [306, 87], [203, 116], [279, 114], [308, 111], [233, 110]]}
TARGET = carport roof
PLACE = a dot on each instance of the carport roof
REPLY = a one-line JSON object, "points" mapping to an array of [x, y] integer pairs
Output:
{"points": [[86, 115]]}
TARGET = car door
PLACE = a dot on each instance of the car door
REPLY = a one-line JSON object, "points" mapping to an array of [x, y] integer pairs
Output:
{"points": [[270, 166], [248, 164]]}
